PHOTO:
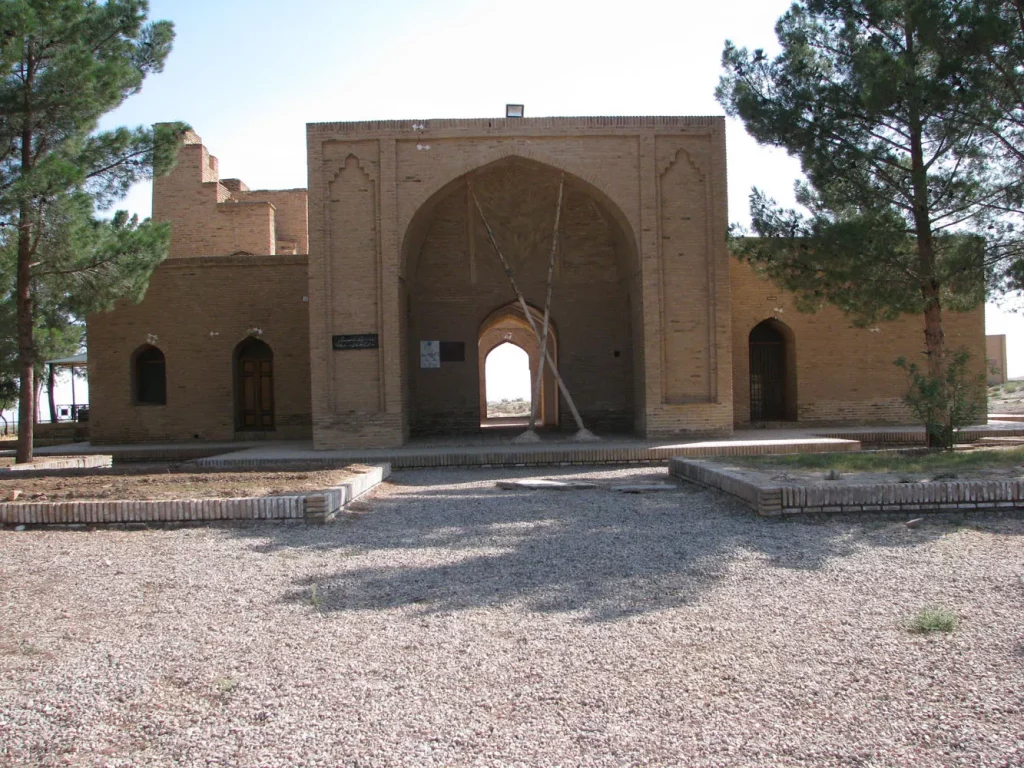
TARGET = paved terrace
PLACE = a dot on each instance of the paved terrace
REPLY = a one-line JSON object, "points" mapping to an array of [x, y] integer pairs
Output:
{"points": [[496, 447]]}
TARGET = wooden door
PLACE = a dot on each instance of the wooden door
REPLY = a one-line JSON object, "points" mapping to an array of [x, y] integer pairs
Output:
{"points": [[255, 388]]}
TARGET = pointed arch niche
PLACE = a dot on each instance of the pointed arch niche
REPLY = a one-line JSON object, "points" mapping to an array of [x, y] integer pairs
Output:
{"points": [[508, 325]]}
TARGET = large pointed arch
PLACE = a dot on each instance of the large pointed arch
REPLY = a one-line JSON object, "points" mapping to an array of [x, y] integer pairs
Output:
{"points": [[415, 230], [450, 275]]}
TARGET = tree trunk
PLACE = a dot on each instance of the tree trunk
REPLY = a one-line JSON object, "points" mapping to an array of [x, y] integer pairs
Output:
{"points": [[934, 342], [26, 346], [26, 351]]}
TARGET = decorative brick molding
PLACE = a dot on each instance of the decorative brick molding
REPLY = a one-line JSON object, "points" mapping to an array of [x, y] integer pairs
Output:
{"points": [[316, 507], [770, 500]]}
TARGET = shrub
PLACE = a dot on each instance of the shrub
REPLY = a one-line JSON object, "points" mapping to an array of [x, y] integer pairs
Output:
{"points": [[933, 620], [946, 402]]}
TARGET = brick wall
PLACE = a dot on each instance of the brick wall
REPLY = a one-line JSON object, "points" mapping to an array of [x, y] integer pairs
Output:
{"points": [[844, 373], [214, 217], [196, 311], [397, 250], [386, 195]]}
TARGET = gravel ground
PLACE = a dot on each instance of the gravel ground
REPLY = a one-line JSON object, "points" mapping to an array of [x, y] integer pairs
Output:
{"points": [[449, 623], [1008, 402]]}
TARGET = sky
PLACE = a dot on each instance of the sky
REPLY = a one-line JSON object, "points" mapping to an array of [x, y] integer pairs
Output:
{"points": [[248, 75]]}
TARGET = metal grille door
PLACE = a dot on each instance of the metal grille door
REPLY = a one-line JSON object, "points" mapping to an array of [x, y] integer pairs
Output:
{"points": [[767, 375]]}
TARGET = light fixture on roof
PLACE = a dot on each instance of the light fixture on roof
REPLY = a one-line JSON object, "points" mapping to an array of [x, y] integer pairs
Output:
{"points": [[513, 110]]}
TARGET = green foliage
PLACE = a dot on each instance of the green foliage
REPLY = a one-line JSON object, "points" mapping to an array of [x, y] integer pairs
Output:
{"points": [[1006, 388], [995, 28], [904, 195], [8, 391], [947, 402], [63, 65], [903, 463], [83, 264], [933, 620]]}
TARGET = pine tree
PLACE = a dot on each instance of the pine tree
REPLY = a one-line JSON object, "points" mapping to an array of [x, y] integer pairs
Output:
{"points": [[63, 65], [907, 199]]}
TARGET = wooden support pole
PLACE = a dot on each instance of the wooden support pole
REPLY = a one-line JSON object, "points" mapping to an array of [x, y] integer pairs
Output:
{"points": [[582, 432], [547, 309]]}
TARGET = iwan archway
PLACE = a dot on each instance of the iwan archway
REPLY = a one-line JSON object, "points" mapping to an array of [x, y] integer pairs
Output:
{"points": [[456, 295], [402, 274]]}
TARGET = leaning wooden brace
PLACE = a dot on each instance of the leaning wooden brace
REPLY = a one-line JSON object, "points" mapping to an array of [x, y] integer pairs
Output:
{"points": [[531, 435], [582, 432]]}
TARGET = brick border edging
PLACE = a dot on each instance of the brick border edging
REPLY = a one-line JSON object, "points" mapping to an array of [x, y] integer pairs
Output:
{"points": [[317, 506], [46, 464], [773, 500], [1006, 417], [915, 436]]}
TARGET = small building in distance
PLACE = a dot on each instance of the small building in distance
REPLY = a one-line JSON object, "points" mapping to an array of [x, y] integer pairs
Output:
{"points": [[359, 312]]}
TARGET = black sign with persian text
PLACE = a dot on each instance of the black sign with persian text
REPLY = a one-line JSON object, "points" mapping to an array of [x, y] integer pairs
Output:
{"points": [[355, 341]]}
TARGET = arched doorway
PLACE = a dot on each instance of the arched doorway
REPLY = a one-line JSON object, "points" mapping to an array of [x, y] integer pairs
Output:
{"points": [[254, 386], [508, 388], [508, 325], [451, 282], [772, 372]]}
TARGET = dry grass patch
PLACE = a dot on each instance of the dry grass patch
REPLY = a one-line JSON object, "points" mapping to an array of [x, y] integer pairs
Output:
{"points": [[1006, 398], [890, 466]]}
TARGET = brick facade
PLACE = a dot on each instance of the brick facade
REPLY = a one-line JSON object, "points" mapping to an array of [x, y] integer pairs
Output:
{"points": [[844, 374], [651, 317]]}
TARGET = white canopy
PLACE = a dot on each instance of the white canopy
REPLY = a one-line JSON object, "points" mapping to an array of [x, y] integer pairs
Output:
{"points": [[71, 362]]}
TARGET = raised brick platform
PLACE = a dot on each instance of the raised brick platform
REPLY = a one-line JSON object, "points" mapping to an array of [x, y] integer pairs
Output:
{"points": [[50, 463], [315, 507], [770, 499]]}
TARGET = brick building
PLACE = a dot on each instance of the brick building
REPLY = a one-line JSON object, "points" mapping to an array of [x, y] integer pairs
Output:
{"points": [[360, 311]]}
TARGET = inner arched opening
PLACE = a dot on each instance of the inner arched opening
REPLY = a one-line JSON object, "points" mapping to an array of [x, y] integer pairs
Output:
{"points": [[508, 388], [508, 326]]}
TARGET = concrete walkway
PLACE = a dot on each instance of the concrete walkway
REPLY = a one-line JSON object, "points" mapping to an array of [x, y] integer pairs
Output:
{"points": [[495, 447]]}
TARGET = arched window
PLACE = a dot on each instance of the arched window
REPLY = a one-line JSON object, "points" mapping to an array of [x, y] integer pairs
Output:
{"points": [[254, 385], [149, 376]]}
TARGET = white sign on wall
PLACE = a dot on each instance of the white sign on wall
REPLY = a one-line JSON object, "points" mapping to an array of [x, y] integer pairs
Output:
{"points": [[430, 354]]}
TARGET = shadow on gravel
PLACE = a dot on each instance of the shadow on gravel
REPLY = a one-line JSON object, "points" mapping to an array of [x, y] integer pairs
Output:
{"points": [[599, 553]]}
